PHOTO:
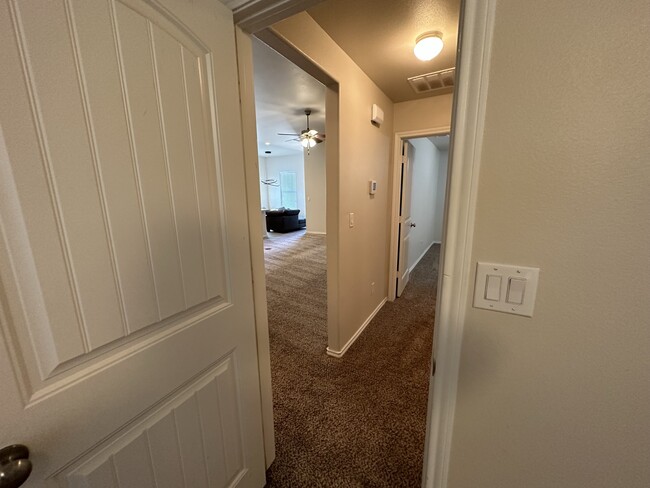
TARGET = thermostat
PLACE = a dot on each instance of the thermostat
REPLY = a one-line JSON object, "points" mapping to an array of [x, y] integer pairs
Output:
{"points": [[372, 187]]}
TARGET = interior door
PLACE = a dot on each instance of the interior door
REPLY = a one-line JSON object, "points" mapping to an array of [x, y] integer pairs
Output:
{"points": [[405, 223], [128, 354]]}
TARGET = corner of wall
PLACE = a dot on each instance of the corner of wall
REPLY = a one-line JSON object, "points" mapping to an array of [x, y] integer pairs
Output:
{"points": [[362, 250]]}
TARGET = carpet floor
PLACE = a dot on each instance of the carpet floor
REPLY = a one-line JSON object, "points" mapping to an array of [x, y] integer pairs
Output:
{"points": [[357, 421]]}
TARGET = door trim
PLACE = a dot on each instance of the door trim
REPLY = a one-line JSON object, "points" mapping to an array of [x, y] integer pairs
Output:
{"points": [[249, 124], [399, 138], [255, 15], [468, 114], [468, 118], [244, 48]]}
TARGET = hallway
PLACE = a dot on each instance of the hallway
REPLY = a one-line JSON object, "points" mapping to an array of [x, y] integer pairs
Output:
{"points": [[358, 421]]}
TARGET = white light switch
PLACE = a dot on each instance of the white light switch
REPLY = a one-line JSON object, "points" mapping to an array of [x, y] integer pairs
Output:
{"points": [[506, 288], [351, 219], [516, 291], [493, 288]]}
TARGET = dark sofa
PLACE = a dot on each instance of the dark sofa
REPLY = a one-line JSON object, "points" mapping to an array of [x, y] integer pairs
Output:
{"points": [[282, 220]]}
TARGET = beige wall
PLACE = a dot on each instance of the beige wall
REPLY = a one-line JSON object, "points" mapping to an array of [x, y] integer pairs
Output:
{"points": [[315, 188], [427, 113], [563, 399], [364, 154]]}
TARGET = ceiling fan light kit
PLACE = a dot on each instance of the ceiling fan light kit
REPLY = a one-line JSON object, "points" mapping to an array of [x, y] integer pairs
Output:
{"points": [[428, 45], [308, 142], [308, 138]]}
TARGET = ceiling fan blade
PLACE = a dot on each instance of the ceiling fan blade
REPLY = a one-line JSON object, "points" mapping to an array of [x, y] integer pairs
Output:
{"points": [[319, 138], [295, 139], [287, 134]]}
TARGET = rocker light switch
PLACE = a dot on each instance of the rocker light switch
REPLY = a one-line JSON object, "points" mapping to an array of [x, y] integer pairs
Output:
{"points": [[493, 288], [516, 291], [506, 288]]}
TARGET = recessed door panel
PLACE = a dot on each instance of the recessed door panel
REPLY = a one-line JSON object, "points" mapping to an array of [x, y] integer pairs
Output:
{"points": [[183, 443], [133, 197]]}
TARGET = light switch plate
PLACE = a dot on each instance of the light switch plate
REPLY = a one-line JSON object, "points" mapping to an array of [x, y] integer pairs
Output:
{"points": [[524, 278]]}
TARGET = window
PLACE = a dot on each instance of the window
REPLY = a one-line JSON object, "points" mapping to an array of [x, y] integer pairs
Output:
{"points": [[288, 190]]}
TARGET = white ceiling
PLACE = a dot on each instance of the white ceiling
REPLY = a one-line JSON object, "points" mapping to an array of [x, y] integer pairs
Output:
{"points": [[282, 93]]}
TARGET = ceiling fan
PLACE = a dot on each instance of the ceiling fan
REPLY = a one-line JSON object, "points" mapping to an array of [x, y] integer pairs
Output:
{"points": [[307, 137]]}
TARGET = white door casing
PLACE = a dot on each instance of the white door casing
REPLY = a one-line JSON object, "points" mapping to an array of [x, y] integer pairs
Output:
{"points": [[128, 339], [406, 175], [468, 114]]}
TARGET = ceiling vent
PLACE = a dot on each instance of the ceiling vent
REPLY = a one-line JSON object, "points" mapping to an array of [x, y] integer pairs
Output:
{"points": [[431, 82]]}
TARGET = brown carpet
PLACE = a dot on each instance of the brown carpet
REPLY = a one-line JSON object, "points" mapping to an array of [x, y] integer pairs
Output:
{"points": [[358, 421]]}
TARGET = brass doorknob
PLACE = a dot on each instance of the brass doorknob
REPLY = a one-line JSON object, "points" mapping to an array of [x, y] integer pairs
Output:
{"points": [[15, 466]]}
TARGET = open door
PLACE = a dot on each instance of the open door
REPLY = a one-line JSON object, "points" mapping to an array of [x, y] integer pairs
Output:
{"points": [[405, 223], [127, 346]]}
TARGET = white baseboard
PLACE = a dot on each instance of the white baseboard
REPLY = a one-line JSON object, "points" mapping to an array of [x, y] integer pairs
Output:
{"points": [[422, 255], [315, 232], [338, 354]]}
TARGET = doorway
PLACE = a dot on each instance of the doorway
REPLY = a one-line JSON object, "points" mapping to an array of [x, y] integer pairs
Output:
{"points": [[422, 168], [351, 408], [336, 392], [292, 150], [468, 114]]}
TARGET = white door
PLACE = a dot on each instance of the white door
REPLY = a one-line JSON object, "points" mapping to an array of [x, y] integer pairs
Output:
{"points": [[127, 353], [405, 223]]}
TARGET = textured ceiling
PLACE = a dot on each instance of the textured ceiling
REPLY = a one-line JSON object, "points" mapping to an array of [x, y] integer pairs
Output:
{"points": [[379, 36], [282, 93]]}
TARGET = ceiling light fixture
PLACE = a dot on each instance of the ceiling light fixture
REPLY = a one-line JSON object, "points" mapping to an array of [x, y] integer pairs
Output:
{"points": [[308, 142], [308, 138], [267, 143], [428, 46]]}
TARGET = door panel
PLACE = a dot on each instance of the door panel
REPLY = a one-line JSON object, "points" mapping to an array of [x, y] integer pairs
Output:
{"points": [[125, 279], [114, 143], [149, 150], [171, 446], [132, 217], [403, 271]]}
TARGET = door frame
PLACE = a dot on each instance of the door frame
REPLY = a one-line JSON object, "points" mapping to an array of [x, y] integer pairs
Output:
{"points": [[244, 48], [396, 192], [454, 292], [468, 116], [251, 168]]}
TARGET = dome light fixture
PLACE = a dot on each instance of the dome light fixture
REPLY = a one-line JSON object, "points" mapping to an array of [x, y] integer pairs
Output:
{"points": [[428, 46]]}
